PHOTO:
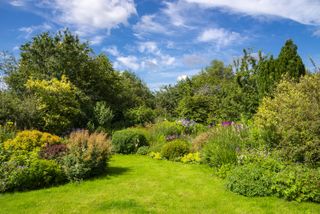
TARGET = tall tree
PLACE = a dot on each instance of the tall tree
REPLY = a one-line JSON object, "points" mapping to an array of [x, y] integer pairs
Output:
{"points": [[289, 62]]}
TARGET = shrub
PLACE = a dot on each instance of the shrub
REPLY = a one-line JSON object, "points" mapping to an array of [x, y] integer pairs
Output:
{"points": [[87, 156], [191, 158], [7, 132], [174, 150], [155, 155], [23, 172], [250, 180], [54, 151], [128, 141], [140, 115], [290, 121], [143, 150], [30, 140], [199, 141], [297, 182], [222, 147], [167, 128]]}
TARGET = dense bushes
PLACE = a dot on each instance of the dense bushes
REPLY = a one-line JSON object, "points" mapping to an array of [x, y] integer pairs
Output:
{"points": [[30, 140], [175, 149], [128, 141], [22, 172], [250, 180], [290, 122], [34, 159], [87, 155], [264, 176], [297, 182]]}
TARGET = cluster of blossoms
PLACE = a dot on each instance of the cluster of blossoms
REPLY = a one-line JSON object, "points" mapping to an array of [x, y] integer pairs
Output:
{"points": [[187, 122]]}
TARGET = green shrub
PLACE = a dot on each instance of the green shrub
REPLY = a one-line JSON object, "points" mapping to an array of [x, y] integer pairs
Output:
{"points": [[290, 121], [128, 141], [143, 150], [24, 172], [167, 128], [175, 149], [222, 147], [297, 182], [155, 155], [250, 180], [140, 115], [7, 132], [30, 140], [191, 158], [87, 155]]}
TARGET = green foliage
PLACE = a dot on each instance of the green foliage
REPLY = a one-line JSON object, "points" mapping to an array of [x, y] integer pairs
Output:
{"points": [[140, 115], [175, 149], [222, 147], [128, 141], [290, 121], [24, 172], [155, 155], [57, 103], [191, 158], [22, 111], [87, 155], [195, 108], [167, 128], [143, 150], [102, 117], [297, 182], [250, 180], [30, 140], [7, 132], [289, 62]]}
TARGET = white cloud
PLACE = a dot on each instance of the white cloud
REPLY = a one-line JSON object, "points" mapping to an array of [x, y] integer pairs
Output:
{"points": [[182, 77], [174, 11], [17, 3], [149, 46], [94, 14], [29, 31], [96, 40], [147, 24], [221, 37], [129, 62], [302, 11]]}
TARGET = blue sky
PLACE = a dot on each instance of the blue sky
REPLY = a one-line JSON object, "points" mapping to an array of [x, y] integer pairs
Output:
{"points": [[162, 41]]}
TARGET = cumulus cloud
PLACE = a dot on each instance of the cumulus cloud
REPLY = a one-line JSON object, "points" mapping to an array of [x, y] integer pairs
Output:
{"points": [[129, 62], [220, 36], [302, 11], [94, 14]]}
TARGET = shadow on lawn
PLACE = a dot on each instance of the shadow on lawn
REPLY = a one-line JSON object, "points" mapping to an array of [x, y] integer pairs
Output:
{"points": [[116, 171]]}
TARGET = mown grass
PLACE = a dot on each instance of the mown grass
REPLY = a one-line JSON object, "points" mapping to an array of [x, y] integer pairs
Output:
{"points": [[138, 184]]}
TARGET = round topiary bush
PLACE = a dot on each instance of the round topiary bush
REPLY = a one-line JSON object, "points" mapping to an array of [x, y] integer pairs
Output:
{"points": [[175, 149], [128, 141]]}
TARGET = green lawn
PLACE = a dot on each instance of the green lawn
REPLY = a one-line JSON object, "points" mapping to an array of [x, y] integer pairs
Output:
{"points": [[138, 184]]}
